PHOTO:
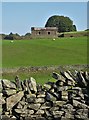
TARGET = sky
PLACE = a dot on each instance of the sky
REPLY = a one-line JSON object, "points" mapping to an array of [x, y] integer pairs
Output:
{"points": [[44, 0], [19, 17]]}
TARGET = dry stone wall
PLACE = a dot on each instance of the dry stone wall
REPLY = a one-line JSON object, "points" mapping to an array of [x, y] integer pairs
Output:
{"points": [[65, 99]]}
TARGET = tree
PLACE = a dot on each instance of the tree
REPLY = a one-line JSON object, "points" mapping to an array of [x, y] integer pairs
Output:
{"points": [[9, 37], [64, 24], [87, 30], [28, 34], [12, 36]]}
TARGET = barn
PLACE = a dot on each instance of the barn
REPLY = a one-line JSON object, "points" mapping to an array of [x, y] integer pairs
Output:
{"points": [[45, 32]]}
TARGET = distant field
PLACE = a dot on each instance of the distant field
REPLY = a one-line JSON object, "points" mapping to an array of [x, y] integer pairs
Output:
{"points": [[44, 52], [76, 32]]}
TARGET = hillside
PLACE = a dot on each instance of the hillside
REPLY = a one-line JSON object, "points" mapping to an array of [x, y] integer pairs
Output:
{"points": [[44, 52]]}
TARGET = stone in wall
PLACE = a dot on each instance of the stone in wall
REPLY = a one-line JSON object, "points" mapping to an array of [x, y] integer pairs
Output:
{"points": [[65, 99]]}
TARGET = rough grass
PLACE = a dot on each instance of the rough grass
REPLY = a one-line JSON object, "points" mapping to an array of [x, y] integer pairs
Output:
{"points": [[44, 52], [41, 77]]}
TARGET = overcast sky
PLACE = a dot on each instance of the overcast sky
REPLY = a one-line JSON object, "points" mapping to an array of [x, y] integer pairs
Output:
{"points": [[19, 17]]}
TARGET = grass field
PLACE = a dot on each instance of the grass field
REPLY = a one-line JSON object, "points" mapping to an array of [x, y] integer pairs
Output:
{"points": [[44, 52]]}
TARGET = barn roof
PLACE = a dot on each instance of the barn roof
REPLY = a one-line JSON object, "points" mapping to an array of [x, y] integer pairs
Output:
{"points": [[44, 28]]}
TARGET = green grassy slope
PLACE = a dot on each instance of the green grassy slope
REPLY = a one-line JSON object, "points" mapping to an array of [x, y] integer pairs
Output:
{"points": [[44, 52]]}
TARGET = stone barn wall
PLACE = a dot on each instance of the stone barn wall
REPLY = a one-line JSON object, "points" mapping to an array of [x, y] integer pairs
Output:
{"points": [[65, 99], [47, 32]]}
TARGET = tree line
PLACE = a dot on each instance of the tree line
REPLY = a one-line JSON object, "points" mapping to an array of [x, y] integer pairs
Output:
{"points": [[16, 36], [64, 24]]}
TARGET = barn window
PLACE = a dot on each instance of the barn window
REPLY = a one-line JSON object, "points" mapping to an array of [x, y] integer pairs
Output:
{"points": [[39, 33], [48, 33]]}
